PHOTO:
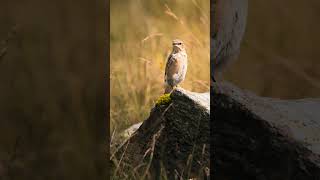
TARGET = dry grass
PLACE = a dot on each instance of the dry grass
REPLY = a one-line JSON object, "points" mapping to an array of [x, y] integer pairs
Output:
{"points": [[140, 41], [123, 170]]}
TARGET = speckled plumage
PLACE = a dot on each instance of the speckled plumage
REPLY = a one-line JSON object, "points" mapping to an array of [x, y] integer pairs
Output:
{"points": [[176, 67]]}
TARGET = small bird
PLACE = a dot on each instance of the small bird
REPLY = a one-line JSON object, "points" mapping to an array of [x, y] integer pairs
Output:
{"points": [[227, 30], [176, 67]]}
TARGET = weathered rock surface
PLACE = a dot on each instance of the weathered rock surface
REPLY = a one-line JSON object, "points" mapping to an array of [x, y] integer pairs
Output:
{"points": [[174, 138], [264, 138]]}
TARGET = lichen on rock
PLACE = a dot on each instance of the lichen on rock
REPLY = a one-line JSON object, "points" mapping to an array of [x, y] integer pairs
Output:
{"points": [[164, 100]]}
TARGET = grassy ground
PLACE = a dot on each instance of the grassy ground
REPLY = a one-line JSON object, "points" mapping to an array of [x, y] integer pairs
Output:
{"points": [[140, 41]]}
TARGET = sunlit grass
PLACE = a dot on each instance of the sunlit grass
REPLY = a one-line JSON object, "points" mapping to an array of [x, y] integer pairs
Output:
{"points": [[140, 41]]}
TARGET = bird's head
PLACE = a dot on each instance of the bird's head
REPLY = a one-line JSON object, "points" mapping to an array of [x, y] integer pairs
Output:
{"points": [[177, 45]]}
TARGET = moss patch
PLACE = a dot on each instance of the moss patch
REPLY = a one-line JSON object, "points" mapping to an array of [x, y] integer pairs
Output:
{"points": [[164, 99]]}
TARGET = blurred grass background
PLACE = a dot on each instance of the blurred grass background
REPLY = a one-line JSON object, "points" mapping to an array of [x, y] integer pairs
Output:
{"points": [[280, 52], [141, 34], [52, 89]]}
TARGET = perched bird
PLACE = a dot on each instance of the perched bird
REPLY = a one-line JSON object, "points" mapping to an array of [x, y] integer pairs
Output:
{"points": [[227, 29], [176, 67]]}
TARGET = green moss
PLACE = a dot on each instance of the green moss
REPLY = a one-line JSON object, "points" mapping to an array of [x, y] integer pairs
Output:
{"points": [[164, 99]]}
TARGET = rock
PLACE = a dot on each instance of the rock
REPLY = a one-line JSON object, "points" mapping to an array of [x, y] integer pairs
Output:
{"points": [[126, 134], [174, 139], [264, 138]]}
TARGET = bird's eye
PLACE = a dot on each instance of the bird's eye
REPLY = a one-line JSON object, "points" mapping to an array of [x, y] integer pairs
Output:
{"points": [[176, 43]]}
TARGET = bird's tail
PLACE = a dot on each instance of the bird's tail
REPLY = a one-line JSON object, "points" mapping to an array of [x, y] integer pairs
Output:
{"points": [[168, 89]]}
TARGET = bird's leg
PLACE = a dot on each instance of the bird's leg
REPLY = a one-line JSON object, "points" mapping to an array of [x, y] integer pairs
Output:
{"points": [[168, 89], [173, 88]]}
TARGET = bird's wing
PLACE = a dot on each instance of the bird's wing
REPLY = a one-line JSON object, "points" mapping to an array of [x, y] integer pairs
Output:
{"points": [[167, 64], [172, 67]]}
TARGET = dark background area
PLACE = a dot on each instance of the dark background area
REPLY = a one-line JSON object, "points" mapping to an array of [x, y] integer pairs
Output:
{"points": [[280, 52], [53, 61]]}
